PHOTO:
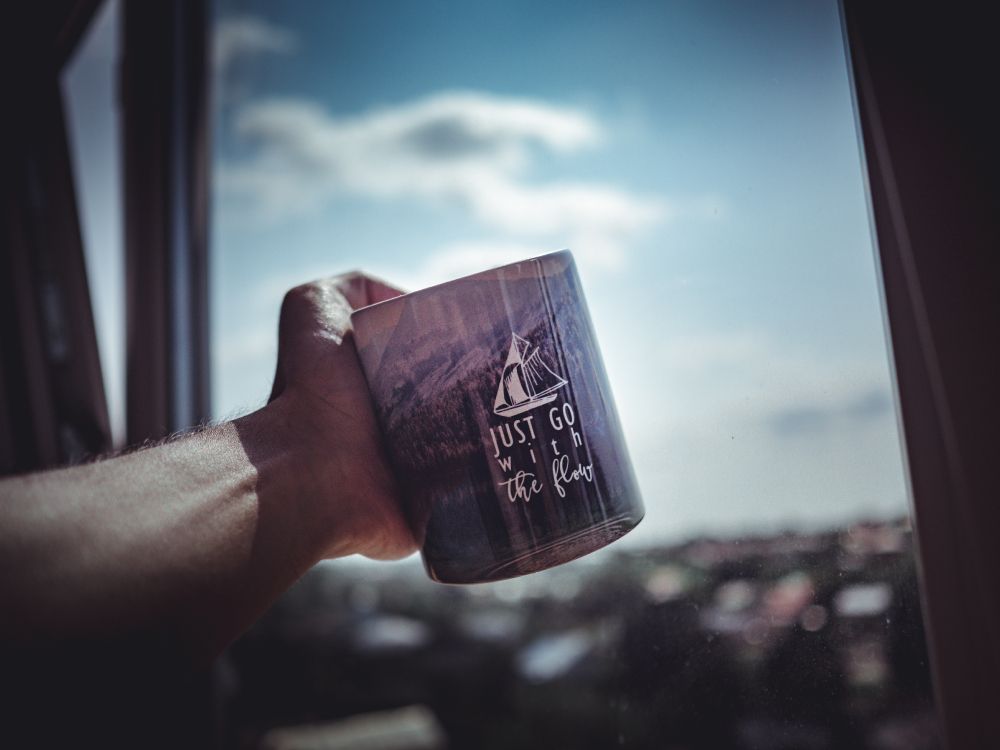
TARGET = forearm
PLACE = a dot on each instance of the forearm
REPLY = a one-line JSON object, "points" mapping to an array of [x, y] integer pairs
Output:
{"points": [[192, 539]]}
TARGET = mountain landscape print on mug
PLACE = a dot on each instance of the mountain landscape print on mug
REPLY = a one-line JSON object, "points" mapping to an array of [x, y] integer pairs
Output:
{"points": [[498, 420]]}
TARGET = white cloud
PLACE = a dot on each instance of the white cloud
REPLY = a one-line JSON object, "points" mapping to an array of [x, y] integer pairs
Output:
{"points": [[246, 36], [469, 149], [743, 385], [747, 376], [733, 431]]}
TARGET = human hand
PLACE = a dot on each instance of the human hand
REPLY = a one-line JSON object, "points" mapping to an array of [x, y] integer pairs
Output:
{"points": [[322, 392]]}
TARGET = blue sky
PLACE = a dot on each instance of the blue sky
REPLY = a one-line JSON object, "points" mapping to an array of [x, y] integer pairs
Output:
{"points": [[699, 158]]}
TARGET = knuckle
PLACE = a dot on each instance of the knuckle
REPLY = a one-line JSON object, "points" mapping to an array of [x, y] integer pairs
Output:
{"points": [[297, 295]]}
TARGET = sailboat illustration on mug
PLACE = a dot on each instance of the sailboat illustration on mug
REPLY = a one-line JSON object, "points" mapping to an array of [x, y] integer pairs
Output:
{"points": [[527, 381]]}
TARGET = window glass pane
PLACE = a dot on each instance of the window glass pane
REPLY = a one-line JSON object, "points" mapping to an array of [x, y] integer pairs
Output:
{"points": [[89, 84], [701, 161]]}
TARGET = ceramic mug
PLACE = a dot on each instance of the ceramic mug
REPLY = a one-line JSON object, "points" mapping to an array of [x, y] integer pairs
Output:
{"points": [[498, 420]]}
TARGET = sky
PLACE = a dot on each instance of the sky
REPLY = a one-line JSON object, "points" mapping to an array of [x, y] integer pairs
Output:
{"points": [[699, 158]]}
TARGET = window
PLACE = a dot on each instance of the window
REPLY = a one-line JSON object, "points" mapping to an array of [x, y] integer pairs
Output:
{"points": [[701, 161], [89, 95]]}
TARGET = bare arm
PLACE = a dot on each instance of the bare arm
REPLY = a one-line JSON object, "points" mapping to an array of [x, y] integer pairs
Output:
{"points": [[194, 538]]}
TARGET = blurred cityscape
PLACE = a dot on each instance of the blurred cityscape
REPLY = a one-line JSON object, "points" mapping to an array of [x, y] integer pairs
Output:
{"points": [[786, 641]]}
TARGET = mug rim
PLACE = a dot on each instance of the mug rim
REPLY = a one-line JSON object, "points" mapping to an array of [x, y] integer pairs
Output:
{"points": [[357, 314]]}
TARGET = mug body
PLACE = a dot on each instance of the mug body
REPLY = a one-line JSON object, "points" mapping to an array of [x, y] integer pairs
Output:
{"points": [[498, 420]]}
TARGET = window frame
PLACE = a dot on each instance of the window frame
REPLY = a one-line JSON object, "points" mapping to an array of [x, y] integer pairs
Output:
{"points": [[919, 75]]}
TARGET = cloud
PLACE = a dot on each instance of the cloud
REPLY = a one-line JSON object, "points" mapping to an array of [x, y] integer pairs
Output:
{"points": [[744, 382], [733, 429], [247, 36], [811, 418], [472, 150]]}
